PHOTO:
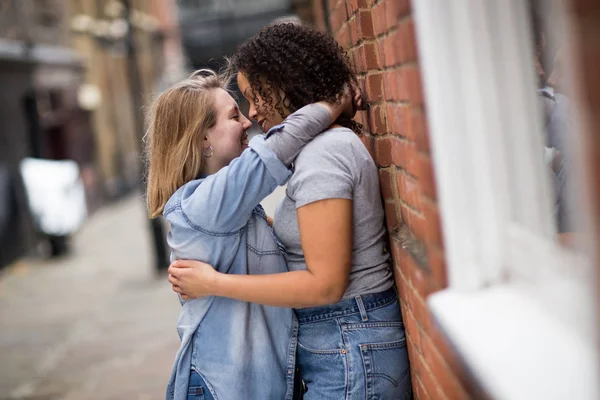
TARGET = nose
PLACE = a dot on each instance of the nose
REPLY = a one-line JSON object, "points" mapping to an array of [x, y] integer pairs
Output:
{"points": [[246, 122], [252, 113]]}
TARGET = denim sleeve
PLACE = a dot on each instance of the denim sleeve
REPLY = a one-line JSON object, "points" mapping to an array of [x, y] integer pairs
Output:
{"points": [[223, 202]]}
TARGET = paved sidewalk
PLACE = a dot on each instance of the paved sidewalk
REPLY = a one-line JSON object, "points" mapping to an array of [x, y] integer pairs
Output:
{"points": [[95, 325]]}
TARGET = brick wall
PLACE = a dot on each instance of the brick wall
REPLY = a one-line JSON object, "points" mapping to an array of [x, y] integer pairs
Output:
{"points": [[379, 37]]}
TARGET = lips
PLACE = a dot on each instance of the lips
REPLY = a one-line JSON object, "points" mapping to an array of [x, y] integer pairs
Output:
{"points": [[262, 125]]}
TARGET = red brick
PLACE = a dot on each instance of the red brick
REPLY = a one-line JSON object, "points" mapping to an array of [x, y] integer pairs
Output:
{"points": [[437, 265], [356, 57], [381, 51], [421, 282], [343, 36], [395, 10], [370, 56], [425, 176], [383, 152], [434, 225], [417, 362], [386, 184], [364, 3], [374, 87], [351, 6], [412, 329], [401, 282], [408, 190], [420, 311], [405, 155], [377, 120], [402, 256], [393, 47], [418, 226], [365, 24], [395, 85], [419, 128], [391, 216], [419, 390], [411, 79], [445, 349], [379, 21], [440, 369], [398, 118], [407, 214], [403, 261], [399, 150], [406, 31], [353, 31], [428, 379]]}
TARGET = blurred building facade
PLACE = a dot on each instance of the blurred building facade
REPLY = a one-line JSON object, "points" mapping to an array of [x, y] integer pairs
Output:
{"points": [[66, 69], [212, 29]]}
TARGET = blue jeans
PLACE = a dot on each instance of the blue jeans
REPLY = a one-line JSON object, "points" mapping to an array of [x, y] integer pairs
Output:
{"points": [[354, 350], [197, 389]]}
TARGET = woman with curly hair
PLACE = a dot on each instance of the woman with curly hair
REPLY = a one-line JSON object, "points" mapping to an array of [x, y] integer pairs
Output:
{"points": [[351, 340]]}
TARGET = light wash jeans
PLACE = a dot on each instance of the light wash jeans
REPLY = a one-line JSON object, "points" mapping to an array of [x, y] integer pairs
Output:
{"points": [[354, 350], [197, 389]]}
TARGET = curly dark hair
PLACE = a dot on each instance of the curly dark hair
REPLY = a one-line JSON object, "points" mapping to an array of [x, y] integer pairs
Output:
{"points": [[306, 65]]}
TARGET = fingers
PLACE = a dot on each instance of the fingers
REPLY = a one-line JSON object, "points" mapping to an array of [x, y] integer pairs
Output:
{"points": [[182, 263], [173, 280], [184, 296], [177, 289]]}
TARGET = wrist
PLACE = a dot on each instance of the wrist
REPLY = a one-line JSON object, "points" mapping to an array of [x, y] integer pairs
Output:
{"points": [[218, 284]]}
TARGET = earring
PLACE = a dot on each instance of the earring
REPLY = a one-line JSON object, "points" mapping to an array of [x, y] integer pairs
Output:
{"points": [[211, 151]]}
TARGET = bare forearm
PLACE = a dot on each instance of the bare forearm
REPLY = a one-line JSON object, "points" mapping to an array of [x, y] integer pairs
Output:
{"points": [[294, 289]]}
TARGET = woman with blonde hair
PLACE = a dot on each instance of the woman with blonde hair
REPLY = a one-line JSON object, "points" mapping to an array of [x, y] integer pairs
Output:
{"points": [[208, 185]]}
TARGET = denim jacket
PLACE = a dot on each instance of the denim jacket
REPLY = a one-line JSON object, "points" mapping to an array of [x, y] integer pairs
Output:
{"points": [[241, 350]]}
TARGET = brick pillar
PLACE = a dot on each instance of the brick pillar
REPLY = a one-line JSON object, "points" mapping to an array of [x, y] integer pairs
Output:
{"points": [[379, 37]]}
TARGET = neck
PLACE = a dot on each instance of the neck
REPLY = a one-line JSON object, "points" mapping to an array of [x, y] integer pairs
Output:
{"points": [[209, 167]]}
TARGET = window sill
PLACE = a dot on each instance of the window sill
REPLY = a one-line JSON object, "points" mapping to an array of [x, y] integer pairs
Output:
{"points": [[514, 347]]}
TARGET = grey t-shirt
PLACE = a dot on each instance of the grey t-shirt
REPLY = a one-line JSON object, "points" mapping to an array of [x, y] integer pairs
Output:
{"points": [[336, 165]]}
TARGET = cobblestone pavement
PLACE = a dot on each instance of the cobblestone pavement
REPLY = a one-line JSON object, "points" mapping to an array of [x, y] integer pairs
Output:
{"points": [[98, 324]]}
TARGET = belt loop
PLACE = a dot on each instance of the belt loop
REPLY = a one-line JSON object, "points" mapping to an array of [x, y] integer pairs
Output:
{"points": [[361, 308]]}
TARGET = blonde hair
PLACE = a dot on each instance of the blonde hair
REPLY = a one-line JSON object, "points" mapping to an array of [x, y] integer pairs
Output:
{"points": [[178, 120]]}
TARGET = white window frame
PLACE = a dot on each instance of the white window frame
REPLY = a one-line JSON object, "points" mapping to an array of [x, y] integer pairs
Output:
{"points": [[519, 308]]}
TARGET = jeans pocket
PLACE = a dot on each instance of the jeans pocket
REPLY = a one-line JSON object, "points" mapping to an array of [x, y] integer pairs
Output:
{"points": [[387, 372], [321, 337], [197, 389]]}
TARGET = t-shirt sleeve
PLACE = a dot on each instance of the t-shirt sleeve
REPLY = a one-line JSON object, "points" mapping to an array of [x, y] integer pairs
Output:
{"points": [[324, 171]]}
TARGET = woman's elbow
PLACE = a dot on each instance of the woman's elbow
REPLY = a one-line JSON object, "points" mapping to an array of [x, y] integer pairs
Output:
{"points": [[333, 293]]}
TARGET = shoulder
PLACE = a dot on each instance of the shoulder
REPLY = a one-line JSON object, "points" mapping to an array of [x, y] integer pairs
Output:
{"points": [[337, 144], [185, 191]]}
